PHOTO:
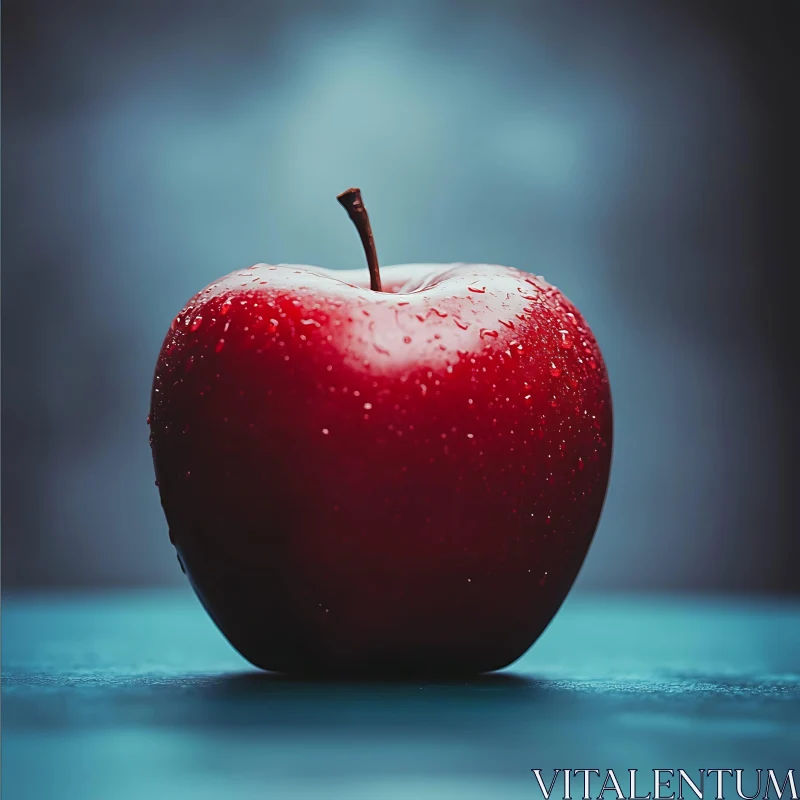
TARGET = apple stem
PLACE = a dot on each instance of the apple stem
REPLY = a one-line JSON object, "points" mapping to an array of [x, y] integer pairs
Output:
{"points": [[354, 206]]}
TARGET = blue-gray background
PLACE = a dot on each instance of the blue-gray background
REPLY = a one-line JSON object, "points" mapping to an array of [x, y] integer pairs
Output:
{"points": [[632, 153]]}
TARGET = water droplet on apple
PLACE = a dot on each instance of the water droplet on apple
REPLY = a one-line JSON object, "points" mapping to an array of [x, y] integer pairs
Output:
{"points": [[189, 363], [148, 419], [509, 325], [225, 307], [488, 332], [220, 345], [477, 290], [554, 370], [462, 325], [438, 313], [196, 323], [325, 431]]}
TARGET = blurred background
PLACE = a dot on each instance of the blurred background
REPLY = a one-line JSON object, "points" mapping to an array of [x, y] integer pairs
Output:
{"points": [[634, 154]]}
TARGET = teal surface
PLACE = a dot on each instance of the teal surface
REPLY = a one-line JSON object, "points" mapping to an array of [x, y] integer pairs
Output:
{"points": [[138, 696]]}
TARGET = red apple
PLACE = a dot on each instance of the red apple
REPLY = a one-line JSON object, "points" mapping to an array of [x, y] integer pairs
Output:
{"points": [[372, 482]]}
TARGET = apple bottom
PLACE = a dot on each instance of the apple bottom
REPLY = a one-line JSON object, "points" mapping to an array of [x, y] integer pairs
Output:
{"points": [[377, 625]]}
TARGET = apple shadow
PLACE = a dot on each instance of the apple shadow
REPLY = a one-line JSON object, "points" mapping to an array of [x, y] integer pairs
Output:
{"points": [[253, 688], [273, 703], [261, 681]]}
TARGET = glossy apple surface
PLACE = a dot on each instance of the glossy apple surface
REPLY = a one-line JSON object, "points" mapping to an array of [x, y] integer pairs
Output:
{"points": [[395, 482]]}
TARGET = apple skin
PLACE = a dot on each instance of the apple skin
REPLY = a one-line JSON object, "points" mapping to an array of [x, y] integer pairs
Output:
{"points": [[383, 483]]}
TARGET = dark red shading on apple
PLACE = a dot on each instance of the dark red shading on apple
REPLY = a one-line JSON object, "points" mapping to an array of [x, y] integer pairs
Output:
{"points": [[364, 482]]}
